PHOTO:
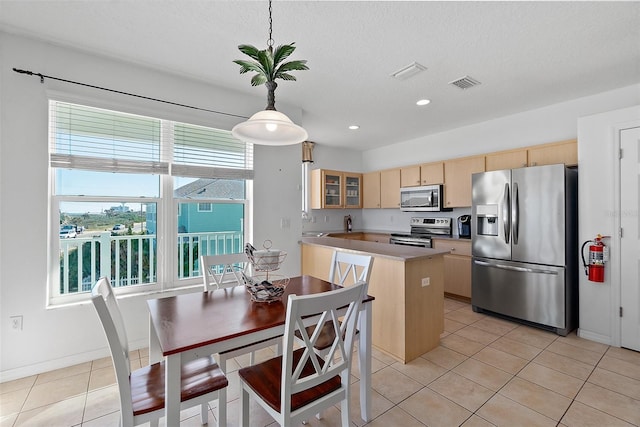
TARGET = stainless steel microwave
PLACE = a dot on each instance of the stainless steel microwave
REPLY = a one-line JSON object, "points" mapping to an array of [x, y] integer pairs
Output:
{"points": [[428, 198]]}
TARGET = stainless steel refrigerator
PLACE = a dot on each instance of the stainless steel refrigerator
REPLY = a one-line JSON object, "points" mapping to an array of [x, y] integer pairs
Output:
{"points": [[524, 245]]}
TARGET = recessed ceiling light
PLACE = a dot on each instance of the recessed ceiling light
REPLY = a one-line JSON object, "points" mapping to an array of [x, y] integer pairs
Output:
{"points": [[423, 102], [354, 127]]}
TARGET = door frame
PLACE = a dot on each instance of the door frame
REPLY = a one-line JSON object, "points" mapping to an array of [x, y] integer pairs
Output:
{"points": [[615, 263]]}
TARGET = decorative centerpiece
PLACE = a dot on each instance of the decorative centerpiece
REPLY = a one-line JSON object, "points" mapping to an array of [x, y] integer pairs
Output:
{"points": [[264, 286]]}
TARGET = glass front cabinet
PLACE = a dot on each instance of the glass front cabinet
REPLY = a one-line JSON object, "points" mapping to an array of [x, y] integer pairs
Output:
{"points": [[335, 189]]}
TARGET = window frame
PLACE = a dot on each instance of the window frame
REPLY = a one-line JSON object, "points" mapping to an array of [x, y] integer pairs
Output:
{"points": [[167, 211]]}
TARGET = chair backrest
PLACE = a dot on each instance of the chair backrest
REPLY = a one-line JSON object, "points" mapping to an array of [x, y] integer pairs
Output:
{"points": [[223, 271], [108, 311], [343, 263], [325, 307]]}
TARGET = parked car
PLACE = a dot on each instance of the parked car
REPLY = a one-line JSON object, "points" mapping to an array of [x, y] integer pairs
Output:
{"points": [[118, 227], [68, 231]]}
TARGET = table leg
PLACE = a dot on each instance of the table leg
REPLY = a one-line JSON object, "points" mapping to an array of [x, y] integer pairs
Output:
{"points": [[364, 354], [172, 389], [155, 353]]}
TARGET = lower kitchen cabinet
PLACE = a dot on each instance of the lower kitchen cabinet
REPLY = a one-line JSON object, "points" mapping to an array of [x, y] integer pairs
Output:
{"points": [[457, 266]]}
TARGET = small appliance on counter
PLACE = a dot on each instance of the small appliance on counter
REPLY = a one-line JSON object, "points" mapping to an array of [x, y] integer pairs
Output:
{"points": [[464, 226]]}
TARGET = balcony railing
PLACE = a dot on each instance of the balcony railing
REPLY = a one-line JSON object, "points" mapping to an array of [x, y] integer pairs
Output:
{"points": [[132, 259]]}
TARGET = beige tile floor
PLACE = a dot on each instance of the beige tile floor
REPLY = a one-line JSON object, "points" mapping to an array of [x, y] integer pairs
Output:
{"points": [[485, 372]]}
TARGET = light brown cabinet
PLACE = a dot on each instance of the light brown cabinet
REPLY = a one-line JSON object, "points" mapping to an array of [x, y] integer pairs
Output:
{"points": [[390, 188], [432, 173], [426, 174], [457, 179], [335, 189], [549, 154], [457, 266], [371, 190], [511, 159], [410, 176]]}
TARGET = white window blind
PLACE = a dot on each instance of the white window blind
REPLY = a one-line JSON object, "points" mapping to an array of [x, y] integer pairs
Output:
{"points": [[201, 152], [101, 140], [89, 138]]}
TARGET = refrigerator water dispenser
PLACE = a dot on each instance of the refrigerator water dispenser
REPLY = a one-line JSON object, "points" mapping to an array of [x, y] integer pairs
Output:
{"points": [[487, 218]]}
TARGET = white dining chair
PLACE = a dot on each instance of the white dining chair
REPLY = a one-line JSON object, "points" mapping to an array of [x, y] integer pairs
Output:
{"points": [[223, 272], [298, 384], [346, 268], [142, 391]]}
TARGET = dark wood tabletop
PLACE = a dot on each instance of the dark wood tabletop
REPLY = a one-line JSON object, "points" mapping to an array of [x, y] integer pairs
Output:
{"points": [[189, 321]]}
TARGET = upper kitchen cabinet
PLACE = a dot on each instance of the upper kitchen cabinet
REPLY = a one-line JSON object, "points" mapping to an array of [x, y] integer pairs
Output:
{"points": [[432, 173], [335, 190], [427, 174], [511, 159], [352, 190], [457, 178], [390, 188], [371, 190], [559, 152], [410, 176]]}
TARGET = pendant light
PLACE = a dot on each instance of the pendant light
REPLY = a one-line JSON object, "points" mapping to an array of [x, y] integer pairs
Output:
{"points": [[269, 127]]}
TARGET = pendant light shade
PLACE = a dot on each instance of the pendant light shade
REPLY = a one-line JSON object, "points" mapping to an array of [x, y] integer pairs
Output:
{"points": [[269, 127]]}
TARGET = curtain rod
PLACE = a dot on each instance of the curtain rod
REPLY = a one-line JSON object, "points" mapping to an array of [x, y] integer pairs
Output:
{"points": [[43, 76]]}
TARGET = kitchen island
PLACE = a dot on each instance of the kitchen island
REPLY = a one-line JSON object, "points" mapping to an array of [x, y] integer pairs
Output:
{"points": [[407, 282]]}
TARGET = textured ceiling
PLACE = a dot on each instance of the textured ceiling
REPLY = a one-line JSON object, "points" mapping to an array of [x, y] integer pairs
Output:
{"points": [[525, 54]]}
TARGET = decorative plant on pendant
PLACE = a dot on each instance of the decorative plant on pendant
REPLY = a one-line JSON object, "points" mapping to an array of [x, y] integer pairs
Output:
{"points": [[268, 65], [269, 127]]}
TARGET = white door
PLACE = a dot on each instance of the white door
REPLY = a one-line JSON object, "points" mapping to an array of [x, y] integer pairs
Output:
{"points": [[630, 241]]}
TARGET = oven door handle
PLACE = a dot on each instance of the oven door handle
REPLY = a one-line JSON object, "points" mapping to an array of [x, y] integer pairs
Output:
{"points": [[406, 243]]}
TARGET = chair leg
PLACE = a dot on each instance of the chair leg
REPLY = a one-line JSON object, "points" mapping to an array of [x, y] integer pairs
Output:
{"points": [[252, 358], [244, 408], [222, 395], [204, 413], [344, 412]]}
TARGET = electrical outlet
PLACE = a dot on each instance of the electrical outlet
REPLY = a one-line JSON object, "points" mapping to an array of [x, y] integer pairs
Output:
{"points": [[426, 281], [16, 322]]}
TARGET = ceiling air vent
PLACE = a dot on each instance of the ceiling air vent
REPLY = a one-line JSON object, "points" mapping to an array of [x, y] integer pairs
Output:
{"points": [[408, 71], [465, 82]]}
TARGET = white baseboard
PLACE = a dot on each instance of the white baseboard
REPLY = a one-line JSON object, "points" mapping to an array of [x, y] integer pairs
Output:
{"points": [[63, 362], [603, 339]]}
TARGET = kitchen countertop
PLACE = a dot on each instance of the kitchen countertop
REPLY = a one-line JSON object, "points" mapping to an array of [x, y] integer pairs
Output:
{"points": [[329, 233], [396, 252]]}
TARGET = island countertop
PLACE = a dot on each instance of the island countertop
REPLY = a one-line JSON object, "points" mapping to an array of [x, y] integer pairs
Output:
{"points": [[386, 250]]}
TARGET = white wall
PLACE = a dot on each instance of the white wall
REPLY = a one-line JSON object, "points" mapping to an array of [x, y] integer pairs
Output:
{"points": [[552, 123], [63, 336], [599, 214]]}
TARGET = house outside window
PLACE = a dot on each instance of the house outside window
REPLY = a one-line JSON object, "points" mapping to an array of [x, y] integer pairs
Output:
{"points": [[205, 207], [146, 197]]}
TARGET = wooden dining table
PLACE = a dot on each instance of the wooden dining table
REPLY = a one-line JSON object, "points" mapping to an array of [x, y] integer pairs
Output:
{"points": [[193, 325]]}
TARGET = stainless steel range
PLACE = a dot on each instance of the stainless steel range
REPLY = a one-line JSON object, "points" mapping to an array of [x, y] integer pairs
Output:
{"points": [[422, 230]]}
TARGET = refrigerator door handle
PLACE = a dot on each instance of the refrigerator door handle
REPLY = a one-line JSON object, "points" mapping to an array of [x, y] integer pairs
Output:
{"points": [[506, 203], [515, 213], [514, 268]]}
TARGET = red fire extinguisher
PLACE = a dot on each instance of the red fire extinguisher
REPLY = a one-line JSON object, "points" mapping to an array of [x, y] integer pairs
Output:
{"points": [[598, 255]]}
